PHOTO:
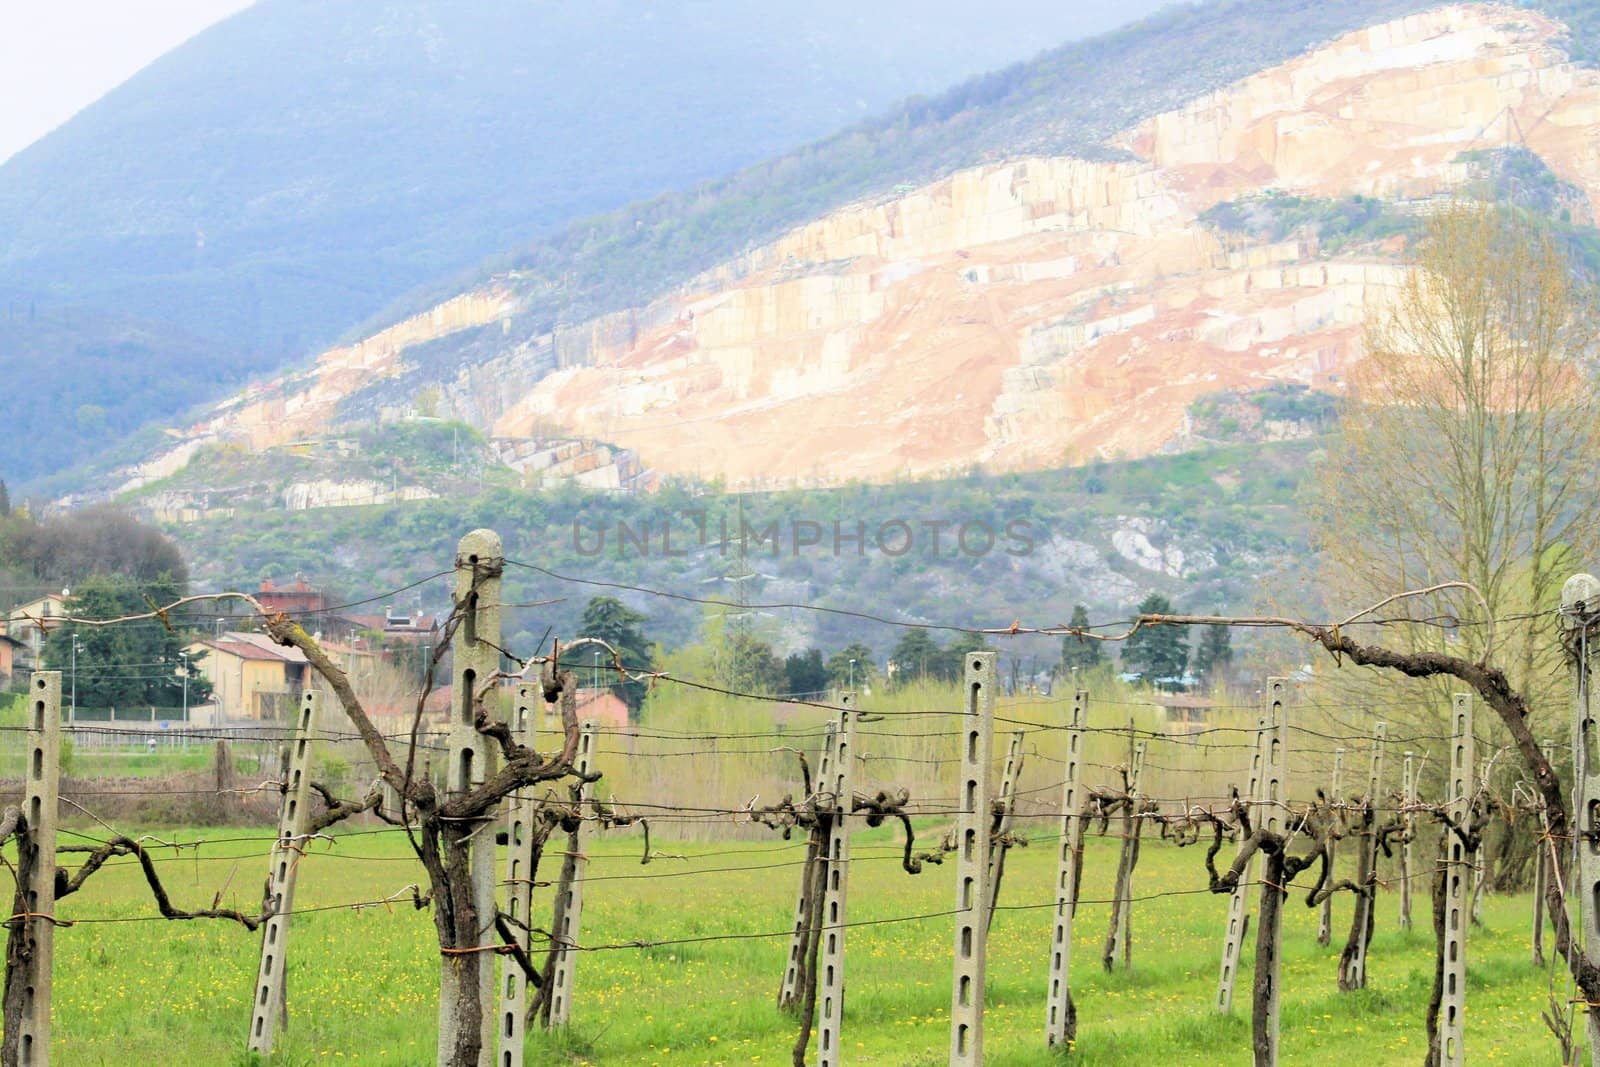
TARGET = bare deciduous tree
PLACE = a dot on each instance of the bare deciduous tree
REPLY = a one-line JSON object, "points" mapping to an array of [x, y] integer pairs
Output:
{"points": [[1470, 422]]}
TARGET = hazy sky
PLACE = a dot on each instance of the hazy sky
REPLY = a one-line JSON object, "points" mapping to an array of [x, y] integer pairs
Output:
{"points": [[58, 56]]}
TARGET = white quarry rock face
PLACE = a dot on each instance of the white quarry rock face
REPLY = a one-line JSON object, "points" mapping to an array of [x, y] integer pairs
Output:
{"points": [[1021, 314]]}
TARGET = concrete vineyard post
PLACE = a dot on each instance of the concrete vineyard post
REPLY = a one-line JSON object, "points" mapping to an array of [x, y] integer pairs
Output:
{"points": [[1580, 605], [1458, 870], [519, 891], [40, 799], [972, 859], [1238, 900], [800, 938], [476, 659], [1271, 816], [1408, 800], [570, 913], [282, 873], [836, 874], [1336, 800], [1061, 1022]]}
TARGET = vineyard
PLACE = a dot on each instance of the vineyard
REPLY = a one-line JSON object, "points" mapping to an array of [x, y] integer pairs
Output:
{"points": [[974, 877]]}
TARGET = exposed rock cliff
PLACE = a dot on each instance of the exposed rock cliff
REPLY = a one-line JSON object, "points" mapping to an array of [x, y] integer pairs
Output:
{"points": [[1016, 315]]}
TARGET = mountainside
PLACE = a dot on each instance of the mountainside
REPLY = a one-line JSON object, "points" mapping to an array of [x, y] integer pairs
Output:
{"points": [[294, 169], [1206, 528], [1071, 302]]}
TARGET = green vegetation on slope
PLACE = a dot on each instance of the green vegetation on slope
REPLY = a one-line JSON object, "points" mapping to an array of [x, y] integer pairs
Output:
{"points": [[1336, 224], [1228, 511]]}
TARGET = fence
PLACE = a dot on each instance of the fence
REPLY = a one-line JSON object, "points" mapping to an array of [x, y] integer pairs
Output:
{"points": [[1277, 784]]}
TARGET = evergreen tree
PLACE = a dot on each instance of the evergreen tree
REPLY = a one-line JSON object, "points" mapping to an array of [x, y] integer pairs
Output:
{"points": [[804, 673], [612, 621], [952, 661], [915, 655], [1214, 652], [5, 500], [755, 668], [1157, 654], [1080, 653], [129, 665]]}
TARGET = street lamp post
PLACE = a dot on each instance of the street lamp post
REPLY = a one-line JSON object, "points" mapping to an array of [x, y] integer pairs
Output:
{"points": [[72, 708], [594, 676], [852, 676], [185, 656]]}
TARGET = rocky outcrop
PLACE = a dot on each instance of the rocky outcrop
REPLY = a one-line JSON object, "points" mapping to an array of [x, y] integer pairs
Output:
{"points": [[351, 493], [1017, 315]]}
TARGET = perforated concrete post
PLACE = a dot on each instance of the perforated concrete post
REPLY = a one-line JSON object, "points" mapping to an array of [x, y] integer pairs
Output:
{"points": [[1541, 870], [1408, 800], [972, 859], [1274, 817], [1119, 945], [830, 976], [282, 873], [1239, 900], [1353, 972], [1458, 870], [513, 1028], [1336, 799], [1480, 866], [800, 938], [1580, 612], [40, 799], [570, 924], [1060, 1016], [1008, 798], [475, 657], [1005, 806]]}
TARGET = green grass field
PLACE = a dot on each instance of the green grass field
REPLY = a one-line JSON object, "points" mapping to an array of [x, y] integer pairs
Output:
{"points": [[363, 982]]}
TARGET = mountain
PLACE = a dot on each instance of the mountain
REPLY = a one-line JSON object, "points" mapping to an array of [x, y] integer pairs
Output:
{"points": [[293, 170], [995, 277]]}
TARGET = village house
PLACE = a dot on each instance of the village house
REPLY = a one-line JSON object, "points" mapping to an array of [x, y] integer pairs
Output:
{"points": [[594, 705], [9, 647], [1186, 714], [28, 625], [251, 678]]}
